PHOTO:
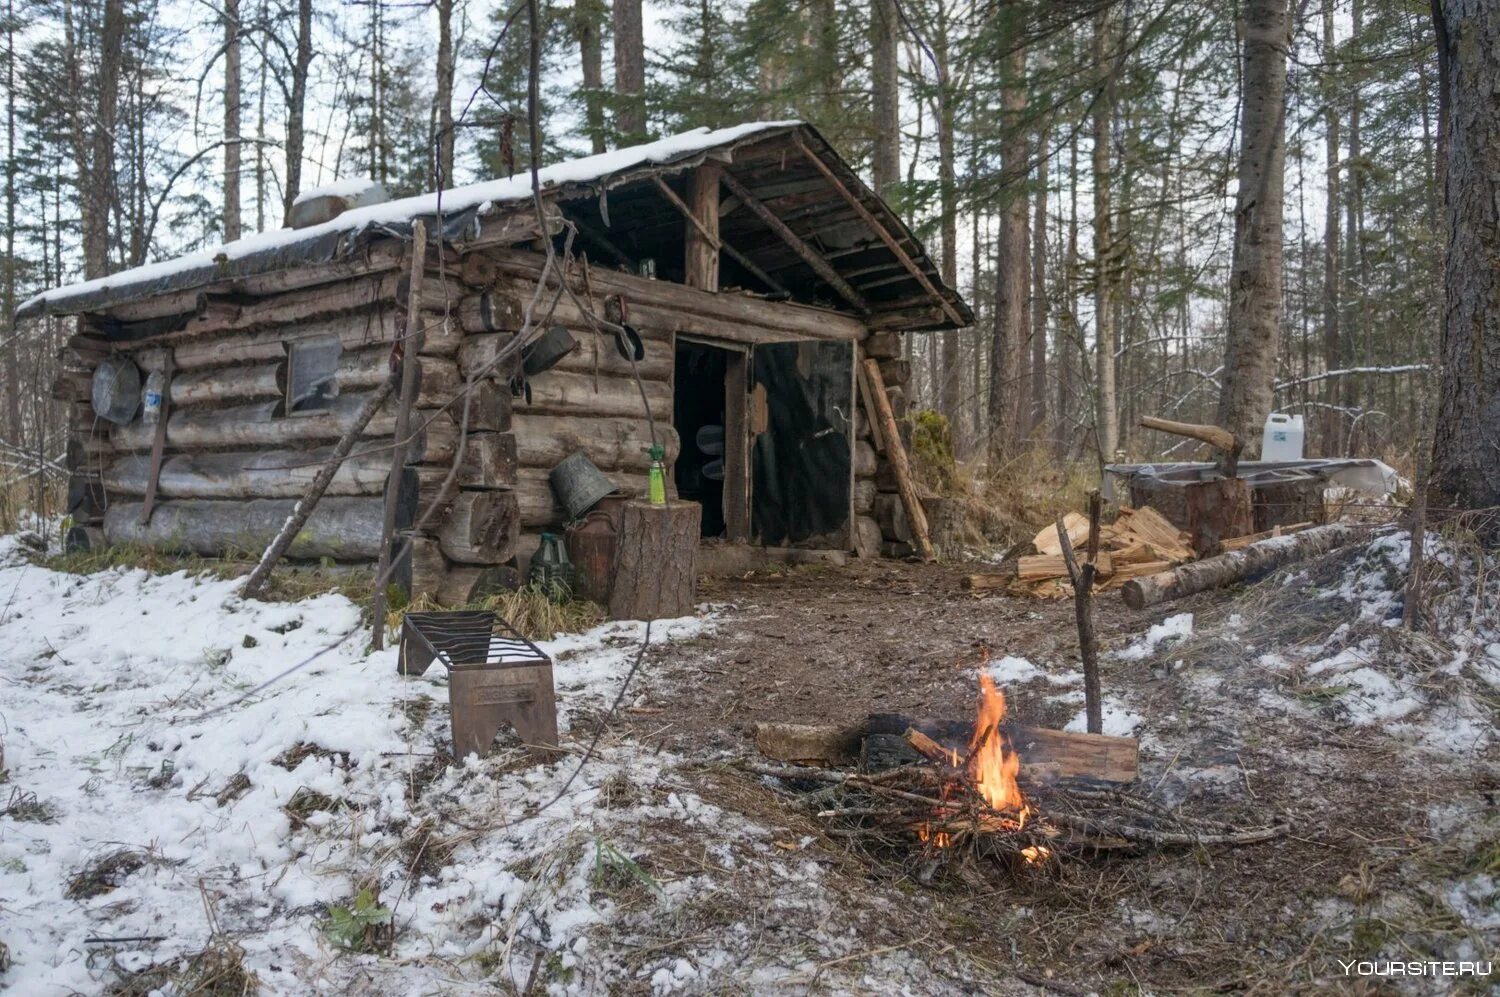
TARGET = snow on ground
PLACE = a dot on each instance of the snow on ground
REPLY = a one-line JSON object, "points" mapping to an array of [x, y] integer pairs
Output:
{"points": [[123, 737], [1178, 626]]}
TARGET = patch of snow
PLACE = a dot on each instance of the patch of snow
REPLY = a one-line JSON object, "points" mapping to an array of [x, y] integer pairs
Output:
{"points": [[362, 189], [1178, 626], [110, 718], [1476, 900], [1118, 721], [1011, 670]]}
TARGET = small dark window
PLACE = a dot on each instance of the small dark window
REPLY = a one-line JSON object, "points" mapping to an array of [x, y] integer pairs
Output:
{"points": [[312, 369]]}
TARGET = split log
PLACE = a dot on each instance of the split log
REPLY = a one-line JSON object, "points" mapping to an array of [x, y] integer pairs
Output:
{"points": [[345, 529], [1242, 565], [480, 528], [1047, 541], [1030, 569], [613, 443], [1046, 755], [1240, 543], [655, 564]]}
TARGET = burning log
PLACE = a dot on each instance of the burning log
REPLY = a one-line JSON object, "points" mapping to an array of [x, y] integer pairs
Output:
{"points": [[951, 806]]}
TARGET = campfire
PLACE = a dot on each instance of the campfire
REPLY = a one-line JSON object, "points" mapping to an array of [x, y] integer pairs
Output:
{"points": [[991, 790]]}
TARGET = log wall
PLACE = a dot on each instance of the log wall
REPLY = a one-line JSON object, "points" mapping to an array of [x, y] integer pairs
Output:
{"points": [[232, 465]]}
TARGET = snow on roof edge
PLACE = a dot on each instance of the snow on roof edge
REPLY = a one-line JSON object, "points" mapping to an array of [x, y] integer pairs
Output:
{"points": [[478, 196]]}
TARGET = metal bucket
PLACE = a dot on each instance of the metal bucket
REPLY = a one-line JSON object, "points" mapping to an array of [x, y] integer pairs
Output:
{"points": [[543, 354], [116, 390], [579, 485]]}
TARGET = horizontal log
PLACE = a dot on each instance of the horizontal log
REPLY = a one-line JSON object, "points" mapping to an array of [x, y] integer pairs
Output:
{"points": [[1046, 754], [1040, 566], [883, 345], [254, 474], [437, 379], [480, 528], [345, 529], [255, 424], [1252, 562], [538, 504], [595, 353], [736, 317], [565, 393], [613, 443], [355, 330]]}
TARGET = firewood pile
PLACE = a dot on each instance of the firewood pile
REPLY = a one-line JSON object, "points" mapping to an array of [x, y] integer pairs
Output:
{"points": [[1138, 543]]}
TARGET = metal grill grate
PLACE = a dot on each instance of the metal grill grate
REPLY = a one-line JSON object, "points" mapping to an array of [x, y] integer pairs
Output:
{"points": [[495, 676]]}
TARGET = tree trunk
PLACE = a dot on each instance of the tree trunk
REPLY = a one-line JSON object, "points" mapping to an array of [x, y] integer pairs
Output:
{"points": [[885, 32], [1255, 303], [1465, 471], [93, 132], [1039, 292], [231, 120], [1106, 416], [12, 354], [949, 382], [1332, 421], [630, 73], [443, 97], [587, 22], [296, 109], [1011, 271]]}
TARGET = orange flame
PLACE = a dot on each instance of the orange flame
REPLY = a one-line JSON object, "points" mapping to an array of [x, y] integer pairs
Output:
{"points": [[992, 767]]}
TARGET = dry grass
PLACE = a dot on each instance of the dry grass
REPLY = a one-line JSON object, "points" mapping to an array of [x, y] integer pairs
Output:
{"points": [[528, 609]]}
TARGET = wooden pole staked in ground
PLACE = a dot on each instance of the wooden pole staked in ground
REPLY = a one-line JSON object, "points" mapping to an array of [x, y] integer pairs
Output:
{"points": [[1083, 610], [408, 349], [916, 517]]}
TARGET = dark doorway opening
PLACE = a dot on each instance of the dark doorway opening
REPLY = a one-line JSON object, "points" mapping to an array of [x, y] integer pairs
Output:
{"points": [[700, 413]]}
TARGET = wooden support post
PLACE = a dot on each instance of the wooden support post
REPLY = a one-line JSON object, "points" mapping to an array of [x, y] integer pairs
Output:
{"points": [[1083, 610], [916, 518], [710, 235], [798, 245], [701, 257], [407, 352], [880, 230]]}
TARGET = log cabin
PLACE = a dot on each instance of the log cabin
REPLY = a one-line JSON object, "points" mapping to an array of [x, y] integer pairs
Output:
{"points": [[754, 268]]}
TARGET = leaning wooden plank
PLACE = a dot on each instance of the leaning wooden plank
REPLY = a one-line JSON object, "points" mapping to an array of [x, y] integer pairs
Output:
{"points": [[916, 517], [345, 528], [1240, 565], [297, 517]]}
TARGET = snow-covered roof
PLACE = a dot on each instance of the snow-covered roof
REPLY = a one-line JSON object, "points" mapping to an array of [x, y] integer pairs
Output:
{"points": [[463, 211]]}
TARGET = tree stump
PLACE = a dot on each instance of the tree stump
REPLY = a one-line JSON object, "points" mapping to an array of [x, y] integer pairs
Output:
{"points": [[1217, 510], [656, 561]]}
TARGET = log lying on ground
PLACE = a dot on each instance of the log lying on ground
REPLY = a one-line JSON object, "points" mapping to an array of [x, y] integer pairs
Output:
{"points": [[1029, 569], [345, 529], [1046, 754], [1241, 565]]}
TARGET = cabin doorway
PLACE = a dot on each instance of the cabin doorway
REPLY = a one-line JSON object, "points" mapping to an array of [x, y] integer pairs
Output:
{"points": [[709, 412]]}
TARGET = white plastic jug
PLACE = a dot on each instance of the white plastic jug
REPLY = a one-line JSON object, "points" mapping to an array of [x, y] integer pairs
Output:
{"points": [[1282, 439]]}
